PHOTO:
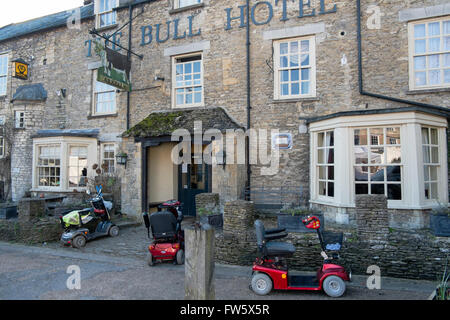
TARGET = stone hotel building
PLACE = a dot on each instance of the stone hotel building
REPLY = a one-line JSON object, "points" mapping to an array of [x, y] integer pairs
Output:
{"points": [[351, 97]]}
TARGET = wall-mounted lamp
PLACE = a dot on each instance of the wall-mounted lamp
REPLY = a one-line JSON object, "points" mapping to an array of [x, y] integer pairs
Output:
{"points": [[121, 159], [158, 78], [61, 92]]}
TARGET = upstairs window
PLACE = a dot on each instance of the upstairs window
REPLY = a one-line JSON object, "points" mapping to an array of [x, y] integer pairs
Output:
{"points": [[295, 68], [106, 16], [430, 54], [186, 3], [104, 98], [188, 81], [3, 73], [19, 119]]}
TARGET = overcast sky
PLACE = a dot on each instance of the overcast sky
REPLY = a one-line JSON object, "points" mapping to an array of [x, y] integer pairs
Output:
{"points": [[14, 11]]}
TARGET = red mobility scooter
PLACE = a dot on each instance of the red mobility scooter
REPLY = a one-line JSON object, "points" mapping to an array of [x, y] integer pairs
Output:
{"points": [[168, 238], [270, 269]]}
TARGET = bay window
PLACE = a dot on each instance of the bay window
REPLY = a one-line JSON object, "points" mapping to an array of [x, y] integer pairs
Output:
{"points": [[49, 166]]}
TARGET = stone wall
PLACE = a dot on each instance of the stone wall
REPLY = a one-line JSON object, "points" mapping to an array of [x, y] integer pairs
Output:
{"points": [[207, 201], [398, 253]]}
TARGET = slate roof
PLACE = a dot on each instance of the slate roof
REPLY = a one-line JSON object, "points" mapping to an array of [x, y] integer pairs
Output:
{"points": [[30, 92], [87, 133], [43, 23], [163, 123]]}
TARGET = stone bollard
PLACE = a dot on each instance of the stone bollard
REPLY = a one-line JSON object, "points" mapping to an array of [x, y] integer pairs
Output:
{"points": [[199, 263]]}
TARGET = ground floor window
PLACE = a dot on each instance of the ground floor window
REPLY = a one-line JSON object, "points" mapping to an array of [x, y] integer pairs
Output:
{"points": [[78, 166], [399, 155], [325, 163], [378, 162], [49, 166], [430, 147]]}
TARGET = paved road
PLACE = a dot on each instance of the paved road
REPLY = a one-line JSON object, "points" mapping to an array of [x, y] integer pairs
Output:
{"points": [[41, 273]]}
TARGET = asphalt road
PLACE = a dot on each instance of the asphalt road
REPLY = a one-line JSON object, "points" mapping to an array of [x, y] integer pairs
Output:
{"points": [[41, 273]]}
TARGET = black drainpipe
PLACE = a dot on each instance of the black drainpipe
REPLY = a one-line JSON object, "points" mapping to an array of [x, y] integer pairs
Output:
{"points": [[360, 72], [249, 170], [130, 9]]}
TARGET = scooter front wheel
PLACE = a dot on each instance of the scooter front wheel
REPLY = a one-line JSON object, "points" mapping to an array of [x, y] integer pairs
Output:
{"points": [[114, 231], [261, 284], [334, 286], [79, 242]]}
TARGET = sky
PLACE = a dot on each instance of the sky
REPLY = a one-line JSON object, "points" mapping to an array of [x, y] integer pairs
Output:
{"points": [[14, 11]]}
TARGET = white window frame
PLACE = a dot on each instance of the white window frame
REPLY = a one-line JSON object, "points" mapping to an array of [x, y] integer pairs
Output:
{"points": [[175, 86], [95, 94], [373, 142], [410, 123], [4, 75], [19, 119], [102, 156], [65, 144], [441, 53], [37, 166], [278, 69], [320, 165], [99, 13], [434, 162], [2, 137], [179, 3]]}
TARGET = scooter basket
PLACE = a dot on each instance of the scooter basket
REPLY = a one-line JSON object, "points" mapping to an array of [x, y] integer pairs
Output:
{"points": [[332, 241]]}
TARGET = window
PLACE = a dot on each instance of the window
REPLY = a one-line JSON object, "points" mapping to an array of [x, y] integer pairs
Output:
{"points": [[78, 160], [106, 16], [430, 53], [325, 163], [49, 166], [104, 98], [188, 81], [295, 69], [19, 119], [2, 141], [108, 158], [3, 73], [186, 3], [430, 147], [378, 162]]}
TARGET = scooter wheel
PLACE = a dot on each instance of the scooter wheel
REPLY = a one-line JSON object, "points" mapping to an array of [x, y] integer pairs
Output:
{"points": [[334, 286], [150, 260], [79, 242], [113, 231], [180, 256], [261, 284]]}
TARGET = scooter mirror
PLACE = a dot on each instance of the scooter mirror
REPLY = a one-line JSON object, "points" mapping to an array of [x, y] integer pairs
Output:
{"points": [[88, 191]]}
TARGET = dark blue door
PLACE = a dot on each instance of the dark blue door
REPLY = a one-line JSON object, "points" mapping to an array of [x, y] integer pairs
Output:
{"points": [[192, 180]]}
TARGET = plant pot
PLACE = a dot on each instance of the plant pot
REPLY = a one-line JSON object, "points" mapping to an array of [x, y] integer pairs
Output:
{"points": [[293, 223], [215, 220], [440, 224]]}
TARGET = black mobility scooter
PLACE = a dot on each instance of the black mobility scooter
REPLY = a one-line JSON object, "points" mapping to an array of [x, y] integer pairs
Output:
{"points": [[168, 238], [270, 269], [84, 225]]}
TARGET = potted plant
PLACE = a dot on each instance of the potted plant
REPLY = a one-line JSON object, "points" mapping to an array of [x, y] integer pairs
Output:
{"points": [[291, 219], [212, 217], [440, 221]]}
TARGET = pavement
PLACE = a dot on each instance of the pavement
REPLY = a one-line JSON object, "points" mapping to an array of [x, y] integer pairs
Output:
{"points": [[115, 268]]}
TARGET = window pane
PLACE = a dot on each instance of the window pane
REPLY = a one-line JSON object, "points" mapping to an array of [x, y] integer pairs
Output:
{"points": [[434, 136], [305, 60], [295, 89], [360, 137], [322, 188], [293, 61], [295, 75], [376, 136], [434, 44], [426, 173], [322, 173], [305, 45], [420, 46], [426, 155], [284, 48], [377, 173], [392, 135], [394, 173], [360, 175], [433, 173], [447, 44], [393, 155], [421, 78], [305, 87], [285, 89], [305, 74], [394, 191], [377, 155], [331, 173], [330, 189], [321, 139], [434, 29], [447, 27], [425, 136], [361, 155], [361, 188], [447, 76], [285, 76], [330, 138], [434, 155], [433, 61], [294, 47], [420, 63], [419, 30], [434, 77], [283, 62], [377, 189]]}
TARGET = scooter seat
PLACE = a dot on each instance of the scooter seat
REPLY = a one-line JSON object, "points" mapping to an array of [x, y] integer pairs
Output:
{"points": [[279, 249]]}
